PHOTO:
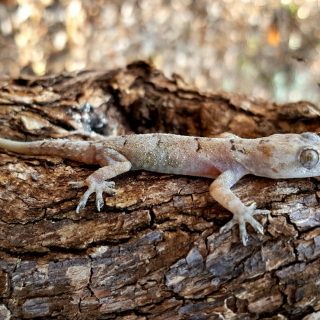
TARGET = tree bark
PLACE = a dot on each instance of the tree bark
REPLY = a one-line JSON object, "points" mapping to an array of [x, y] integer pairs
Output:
{"points": [[154, 252]]}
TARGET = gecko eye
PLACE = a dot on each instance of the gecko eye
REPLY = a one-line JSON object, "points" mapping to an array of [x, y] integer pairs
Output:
{"points": [[309, 158]]}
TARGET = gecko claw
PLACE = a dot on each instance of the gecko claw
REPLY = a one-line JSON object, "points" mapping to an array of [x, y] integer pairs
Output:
{"points": [[99, 205], [80, 206]]}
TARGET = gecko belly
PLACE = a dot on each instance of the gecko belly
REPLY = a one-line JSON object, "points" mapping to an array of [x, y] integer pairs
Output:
{"points": [[199, 170], [188, 169]]}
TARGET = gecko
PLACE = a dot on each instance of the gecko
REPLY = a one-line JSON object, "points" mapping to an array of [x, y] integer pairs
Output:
{"points": [[225, 159]]}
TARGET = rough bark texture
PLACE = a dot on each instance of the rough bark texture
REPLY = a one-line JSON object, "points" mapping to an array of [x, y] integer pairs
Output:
{"points": [[155, 251]]}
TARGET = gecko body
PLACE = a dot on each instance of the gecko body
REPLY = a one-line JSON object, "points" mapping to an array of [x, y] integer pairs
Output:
{"points": [[225, 159]]}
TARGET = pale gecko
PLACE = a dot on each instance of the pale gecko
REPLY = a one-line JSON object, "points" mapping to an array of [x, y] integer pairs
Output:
{"points": [[226, 159]]}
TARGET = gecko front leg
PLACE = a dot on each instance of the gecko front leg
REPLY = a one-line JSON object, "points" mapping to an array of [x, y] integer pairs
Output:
{"points": [[114, 164], [220, 191]]}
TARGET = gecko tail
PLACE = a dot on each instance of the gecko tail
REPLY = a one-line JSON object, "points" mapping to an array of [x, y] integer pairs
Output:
{"points": [[16, 146], [73, 150]]}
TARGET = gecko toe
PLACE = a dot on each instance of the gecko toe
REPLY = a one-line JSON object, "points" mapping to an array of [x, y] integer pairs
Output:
{"points": [[228, 226], [255, 224], [252, 207], [80, 206], [243, 231], [105, 186], [242, 228], [99, 200], [84, 199], [110, 191], [260, 211], [99, 204], [76, 184], [111, 184], [108, 187]]}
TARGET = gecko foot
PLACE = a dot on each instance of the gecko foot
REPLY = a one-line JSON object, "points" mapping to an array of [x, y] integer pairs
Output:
{"points": [[242, 219], [93, 186]]}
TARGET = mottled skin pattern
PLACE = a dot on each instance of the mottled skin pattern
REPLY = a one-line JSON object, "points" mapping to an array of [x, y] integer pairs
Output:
{"points": [[226, 159]]}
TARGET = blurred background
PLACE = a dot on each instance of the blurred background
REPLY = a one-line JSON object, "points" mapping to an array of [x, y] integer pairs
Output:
{"points": [[264, 48]]}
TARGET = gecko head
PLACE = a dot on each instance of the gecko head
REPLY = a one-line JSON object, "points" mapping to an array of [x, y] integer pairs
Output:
{"points": [[297, 155], [286, 156]]}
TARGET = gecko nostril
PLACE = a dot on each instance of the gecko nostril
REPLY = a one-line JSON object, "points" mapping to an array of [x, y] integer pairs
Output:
{"points": [[309, 158]]}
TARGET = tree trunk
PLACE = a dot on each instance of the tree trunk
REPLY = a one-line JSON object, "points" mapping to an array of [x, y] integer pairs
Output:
{"points": [[154, 252]]}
